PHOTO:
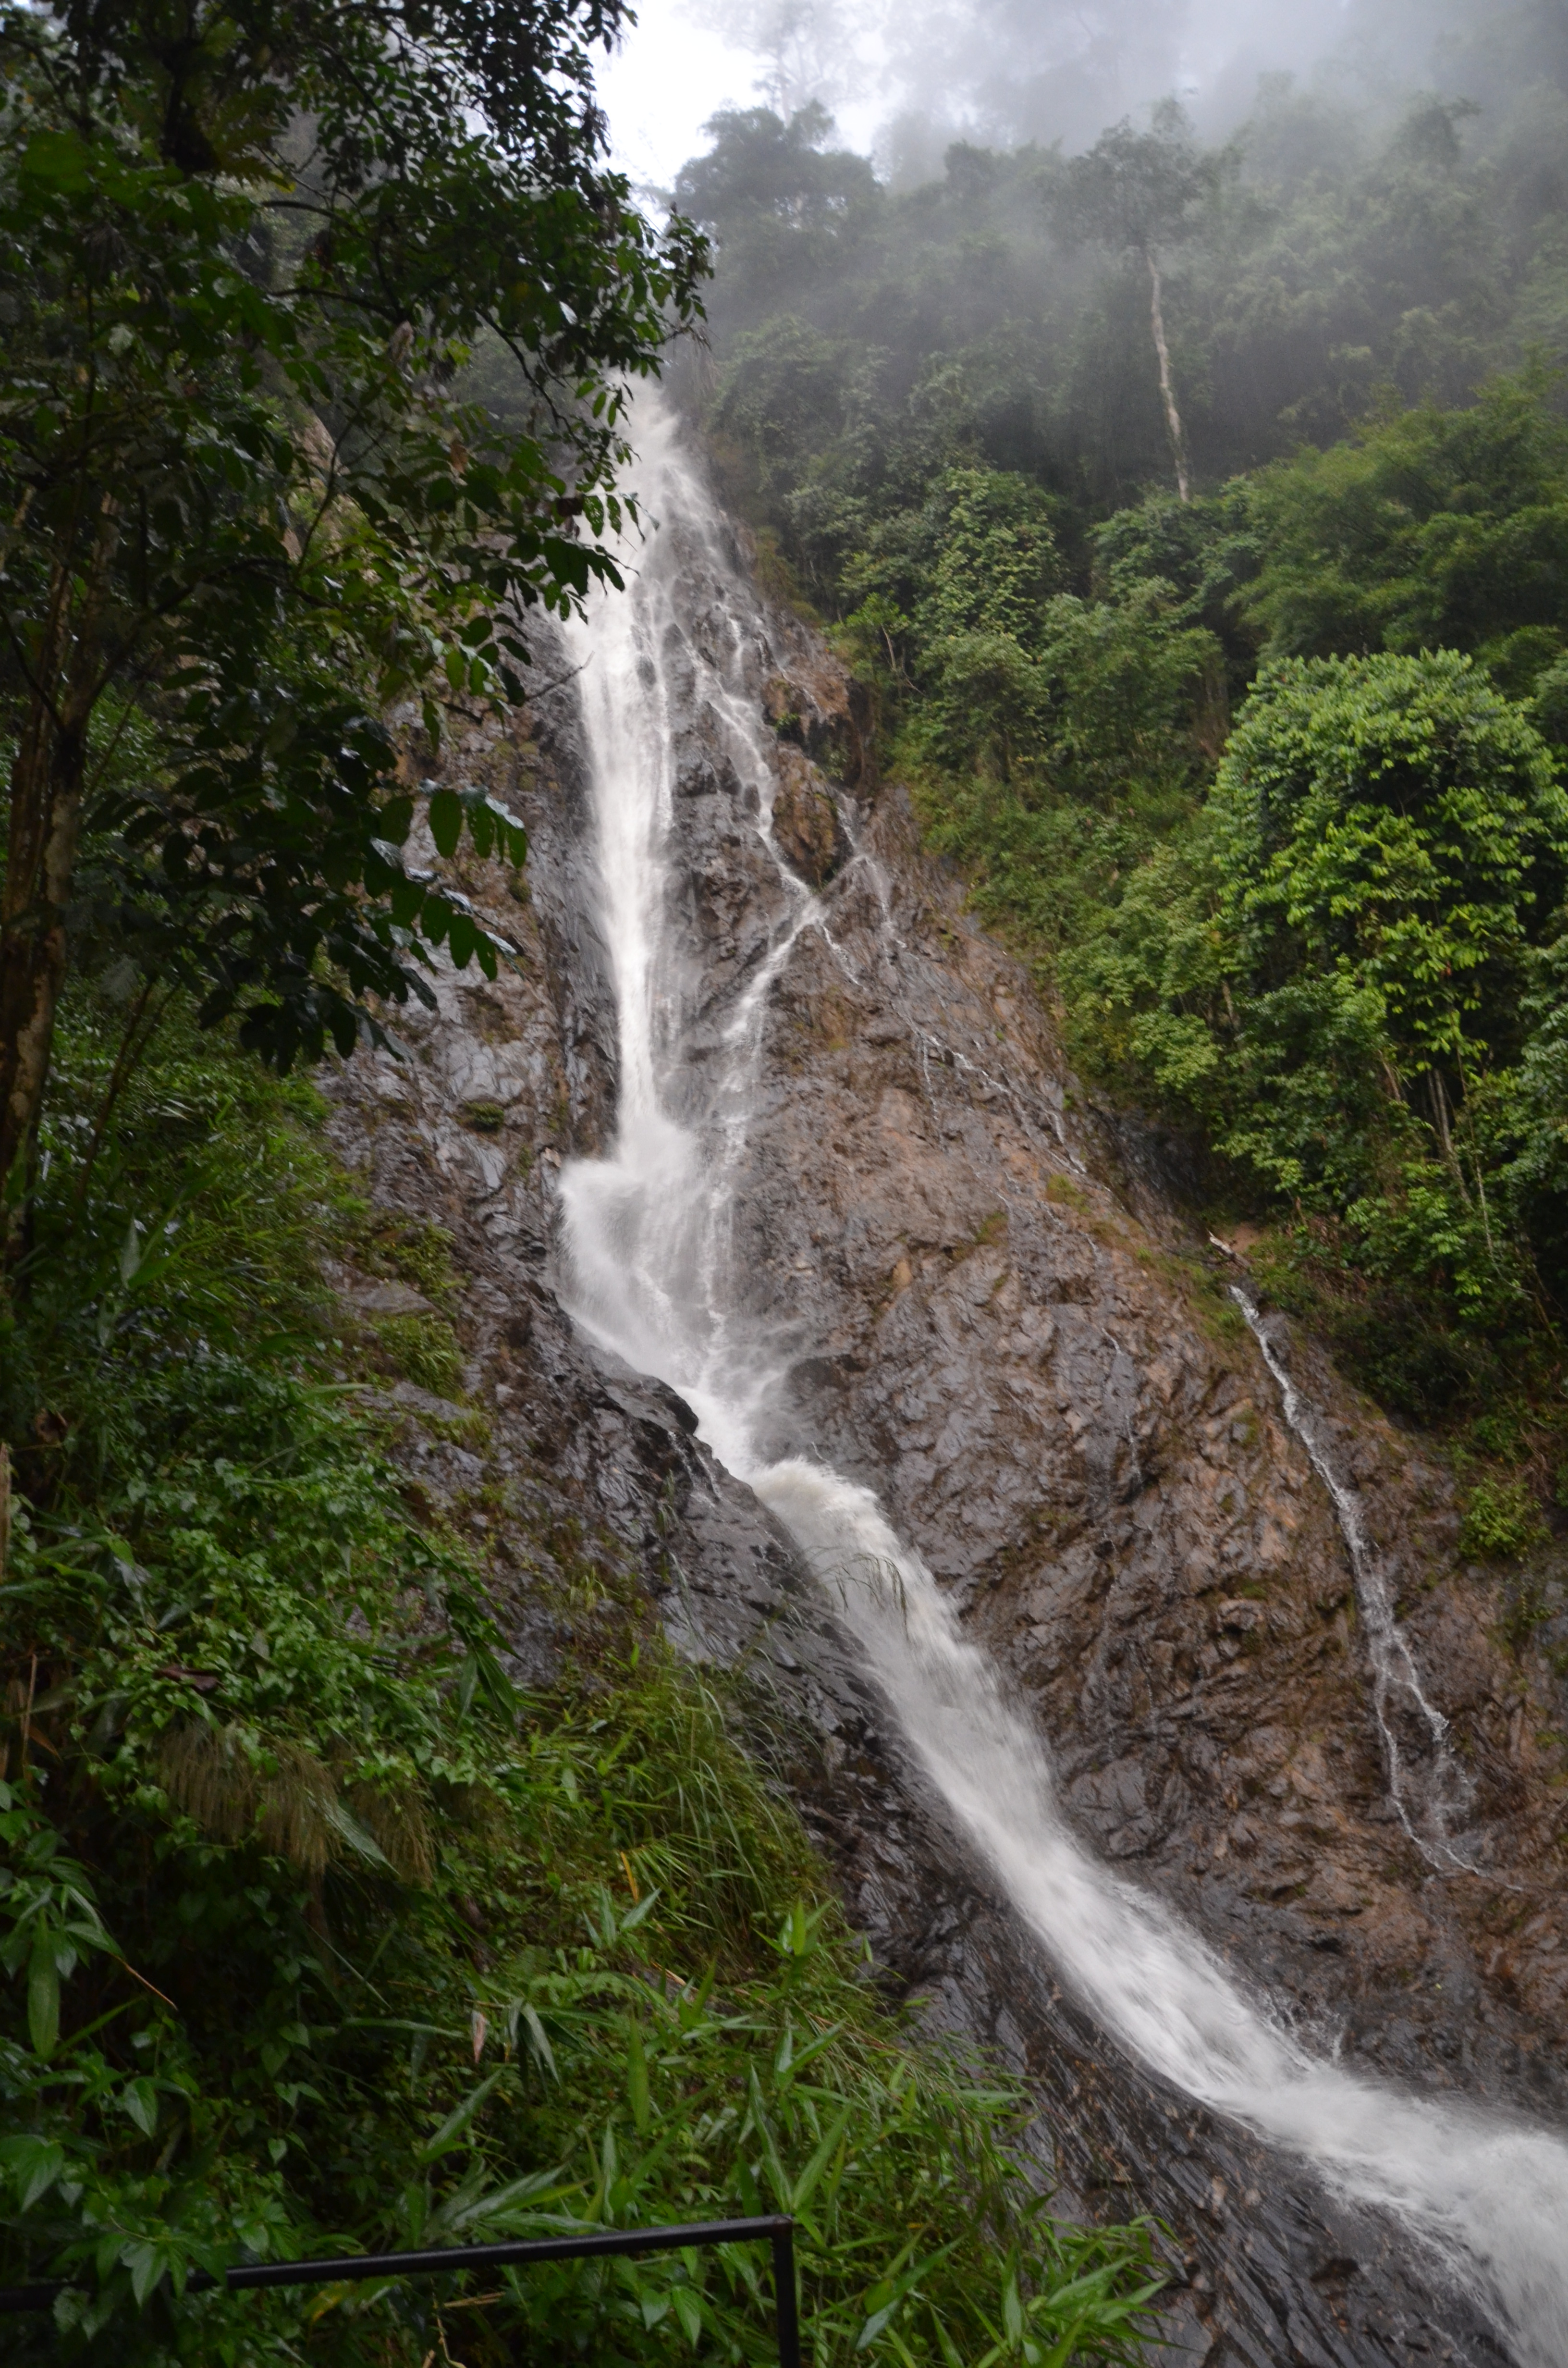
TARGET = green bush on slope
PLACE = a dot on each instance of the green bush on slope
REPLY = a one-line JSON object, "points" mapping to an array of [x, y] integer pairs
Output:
{"points": [[319, 1938]]}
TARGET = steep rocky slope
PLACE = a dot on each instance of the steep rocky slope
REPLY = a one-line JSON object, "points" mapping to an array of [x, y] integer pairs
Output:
{"points": [[997, 1322]]}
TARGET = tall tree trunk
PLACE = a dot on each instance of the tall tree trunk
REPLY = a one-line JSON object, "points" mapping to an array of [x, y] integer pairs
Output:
{"points": [[1173, 416], [46, 782]]}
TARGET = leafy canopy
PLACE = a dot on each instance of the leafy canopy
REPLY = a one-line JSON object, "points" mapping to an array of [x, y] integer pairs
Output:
{"points": [[1432, 529], [1396, 822], [249, 251], [1138, 192]]}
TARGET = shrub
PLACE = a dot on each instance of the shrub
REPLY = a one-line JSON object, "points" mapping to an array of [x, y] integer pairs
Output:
{"points": [[1501, 1522]]}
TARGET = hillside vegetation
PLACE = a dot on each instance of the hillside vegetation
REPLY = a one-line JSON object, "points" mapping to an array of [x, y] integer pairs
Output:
{"points": [[1199, 517]]}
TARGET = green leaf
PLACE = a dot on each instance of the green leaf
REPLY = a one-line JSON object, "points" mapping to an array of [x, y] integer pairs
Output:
{"points": [[635, 1915], [538, 2040], [57, 160], [455, 2127], [139, 2099], [537, 2187], [637, 2077], [146, 2262], [43, 1994], [34, 2163], [805, 2186], [446, 816], [345, 1824], [764, 2128], [899, 2292]]}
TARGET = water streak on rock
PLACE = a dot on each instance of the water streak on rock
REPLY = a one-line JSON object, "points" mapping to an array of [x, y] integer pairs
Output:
{"points": [[1426, 1789]]}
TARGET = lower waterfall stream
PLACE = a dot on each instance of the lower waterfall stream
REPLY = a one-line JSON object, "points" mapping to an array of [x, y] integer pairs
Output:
{"points": [[648, 1258]]}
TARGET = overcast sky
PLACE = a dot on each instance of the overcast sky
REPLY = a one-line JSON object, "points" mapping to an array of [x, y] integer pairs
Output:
{"points": [[994, 70], [672, 73]]}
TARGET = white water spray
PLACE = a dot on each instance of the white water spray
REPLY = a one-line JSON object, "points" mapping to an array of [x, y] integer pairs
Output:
{"points": [[648, 1258]]}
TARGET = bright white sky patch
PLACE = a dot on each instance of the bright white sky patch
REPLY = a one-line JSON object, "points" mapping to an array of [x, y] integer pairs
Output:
{"points": [[670, 75]]}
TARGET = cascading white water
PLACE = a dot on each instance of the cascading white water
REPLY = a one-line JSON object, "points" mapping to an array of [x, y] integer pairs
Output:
{"points": [[647, 1255], [1428, 1796]]}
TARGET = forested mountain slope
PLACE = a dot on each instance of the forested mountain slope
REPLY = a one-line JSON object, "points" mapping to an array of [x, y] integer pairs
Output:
{"points": [[1200, 519]]}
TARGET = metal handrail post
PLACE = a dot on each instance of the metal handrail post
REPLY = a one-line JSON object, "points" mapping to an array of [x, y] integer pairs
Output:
{"points": [[786, 2313]]}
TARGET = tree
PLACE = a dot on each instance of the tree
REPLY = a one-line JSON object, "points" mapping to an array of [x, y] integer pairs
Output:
{"points": [[996, 562], [772, 192], [1353, 926], [1139, 193], [1394, 823], [248, 247], [1431, 528]]}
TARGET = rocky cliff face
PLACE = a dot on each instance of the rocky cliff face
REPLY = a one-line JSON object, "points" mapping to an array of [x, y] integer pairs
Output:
{"points": [[995, 1320]]}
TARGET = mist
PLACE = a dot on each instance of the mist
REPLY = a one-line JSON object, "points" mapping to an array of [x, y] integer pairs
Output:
{"points": [[1005, 72]]}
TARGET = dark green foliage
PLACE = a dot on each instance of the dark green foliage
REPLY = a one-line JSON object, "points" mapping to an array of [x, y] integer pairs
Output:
{"points": [[1138, 192], [1395, 822], [1428, 529], [314, 1936], [1325, 263], [1332, 965], [251, 502], [776, 198]]}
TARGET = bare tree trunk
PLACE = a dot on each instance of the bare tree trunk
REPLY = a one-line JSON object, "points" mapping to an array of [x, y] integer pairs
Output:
{"points": [[1439, 1102], [1173, 416], [46, 782]]}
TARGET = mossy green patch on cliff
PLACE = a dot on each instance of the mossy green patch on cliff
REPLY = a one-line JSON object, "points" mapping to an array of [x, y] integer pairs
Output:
{"points": [[319, 1935], [424, 1348]]}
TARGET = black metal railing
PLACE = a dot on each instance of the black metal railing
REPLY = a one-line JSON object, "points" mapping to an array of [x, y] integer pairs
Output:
{"points": [[779, 2229]]}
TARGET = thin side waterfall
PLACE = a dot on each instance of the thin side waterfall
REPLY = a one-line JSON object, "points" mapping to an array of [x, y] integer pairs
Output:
{"points": [[647, 1272], [1426, 1789]]}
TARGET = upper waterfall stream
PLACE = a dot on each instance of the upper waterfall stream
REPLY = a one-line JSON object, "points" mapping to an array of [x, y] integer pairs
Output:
{"points": [[647, 1259]]}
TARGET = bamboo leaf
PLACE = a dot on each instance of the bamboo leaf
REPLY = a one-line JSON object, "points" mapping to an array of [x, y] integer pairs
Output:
{"points": [[637, 2077], [806, 2185], [455, 2127]]}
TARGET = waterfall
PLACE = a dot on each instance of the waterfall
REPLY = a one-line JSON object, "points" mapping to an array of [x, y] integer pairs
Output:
{"points": [[648, 1271], [1424, 1786]]}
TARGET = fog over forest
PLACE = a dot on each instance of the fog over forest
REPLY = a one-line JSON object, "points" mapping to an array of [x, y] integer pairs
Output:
{"points": [[1144, 357], [1009, 71]]}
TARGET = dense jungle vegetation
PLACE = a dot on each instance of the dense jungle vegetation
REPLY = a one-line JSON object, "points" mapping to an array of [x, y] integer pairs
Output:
{"points": [[1199, 514], [321, 1938], [315, 1935]]}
